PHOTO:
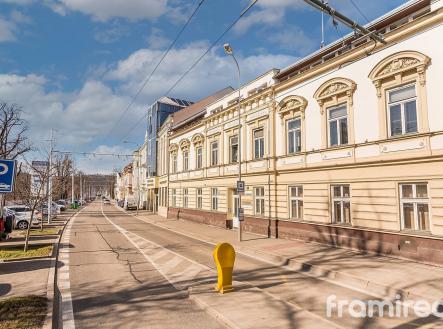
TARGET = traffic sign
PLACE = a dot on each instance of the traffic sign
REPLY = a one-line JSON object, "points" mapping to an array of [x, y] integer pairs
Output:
{"points": [[241, 186], [7, 175]]}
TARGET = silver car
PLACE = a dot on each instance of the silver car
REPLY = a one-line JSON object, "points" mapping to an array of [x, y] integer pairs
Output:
{"points": [[22, 216]]}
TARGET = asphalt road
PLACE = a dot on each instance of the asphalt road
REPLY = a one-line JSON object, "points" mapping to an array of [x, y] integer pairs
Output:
{"points": [[127, 273]]}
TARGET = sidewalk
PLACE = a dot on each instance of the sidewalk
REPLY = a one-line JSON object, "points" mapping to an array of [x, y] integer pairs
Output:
{"points": [[381, 276]]}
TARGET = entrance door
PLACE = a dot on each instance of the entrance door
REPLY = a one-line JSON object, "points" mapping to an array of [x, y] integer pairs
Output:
{"points": [[235, 207]]}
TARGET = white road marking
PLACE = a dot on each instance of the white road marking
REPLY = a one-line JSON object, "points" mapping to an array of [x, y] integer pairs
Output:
{"points": [[156, 255], [63, 280]]}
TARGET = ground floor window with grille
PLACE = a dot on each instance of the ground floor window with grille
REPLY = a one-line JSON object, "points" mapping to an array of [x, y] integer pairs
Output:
{"points": [[414, 204], [296, 200], [185, 197], [199, 198], [214, 198], [174, 197], [259, 196], [341, 204]]}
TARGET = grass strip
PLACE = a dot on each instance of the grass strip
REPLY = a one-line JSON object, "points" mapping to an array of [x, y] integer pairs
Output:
{"points": [[22, 312], [17, 252]]}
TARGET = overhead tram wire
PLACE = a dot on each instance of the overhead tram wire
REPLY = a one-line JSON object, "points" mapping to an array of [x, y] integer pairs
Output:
{"points": [[141, 119], [148, 78], [360, 11]]}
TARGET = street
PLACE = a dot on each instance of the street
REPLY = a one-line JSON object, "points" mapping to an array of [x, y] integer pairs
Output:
{"points": [[124, 272]]}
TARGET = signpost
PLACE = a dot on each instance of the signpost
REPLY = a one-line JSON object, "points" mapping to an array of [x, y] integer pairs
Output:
{"points": [[241, 186], [241, 214], [7, 175]]}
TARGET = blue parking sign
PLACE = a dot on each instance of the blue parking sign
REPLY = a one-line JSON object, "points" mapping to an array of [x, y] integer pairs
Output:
{"points": [[7, 175]]}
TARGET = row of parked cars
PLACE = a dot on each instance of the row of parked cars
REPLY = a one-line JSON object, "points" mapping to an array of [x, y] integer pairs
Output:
{"points": [[20, 215]]}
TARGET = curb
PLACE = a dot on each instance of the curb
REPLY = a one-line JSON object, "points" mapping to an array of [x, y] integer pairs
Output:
{"points": [[52, 277], [346, 280]]}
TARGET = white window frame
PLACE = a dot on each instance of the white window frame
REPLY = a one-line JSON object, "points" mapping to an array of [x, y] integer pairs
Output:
{"points": [[295, 132], [199, 157], [415, 201], [402, 110], [259, 198], [230, 149], [328, 110], [174, 197], [214, 199], [214, 156], [199, 198], [185, 197], [174, 163], [342, 199], [298, 198], [185, 160], [261, 141]]}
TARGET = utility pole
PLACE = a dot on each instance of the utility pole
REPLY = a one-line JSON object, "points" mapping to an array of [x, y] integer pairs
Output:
{"points": [[51, 149], [72, 189], [81, 188]]}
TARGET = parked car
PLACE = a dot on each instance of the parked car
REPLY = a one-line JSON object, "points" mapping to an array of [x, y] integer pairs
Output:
{"points": [[130, 204], [22, 216], [121, 203], [106, 201], [57, 207], [62, 205]]}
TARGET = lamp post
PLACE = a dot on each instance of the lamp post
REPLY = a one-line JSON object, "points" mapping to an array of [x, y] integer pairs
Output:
{"points": [[138, 172], [229, 51]]}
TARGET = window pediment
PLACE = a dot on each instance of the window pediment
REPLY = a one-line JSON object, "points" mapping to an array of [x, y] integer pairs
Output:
{"points": [[398, 63], [197, 139], [184, 144], [173, 148], [292, 104], [333, 88]]}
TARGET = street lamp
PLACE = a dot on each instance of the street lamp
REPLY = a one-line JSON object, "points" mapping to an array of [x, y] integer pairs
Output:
{"points": [[229, 51], [138, 171]]}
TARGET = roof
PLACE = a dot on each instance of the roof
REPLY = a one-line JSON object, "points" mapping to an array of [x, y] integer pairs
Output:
{"points": [[197, 109], [378, 24], [174, 101]]}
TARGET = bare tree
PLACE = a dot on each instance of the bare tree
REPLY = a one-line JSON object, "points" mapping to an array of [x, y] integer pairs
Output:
{"points": [[33, 193], [13, 128], [13, 139], [63, 167]]}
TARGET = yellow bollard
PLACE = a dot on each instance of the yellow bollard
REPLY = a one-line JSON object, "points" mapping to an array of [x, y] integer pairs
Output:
{"points": [[224, 257]]}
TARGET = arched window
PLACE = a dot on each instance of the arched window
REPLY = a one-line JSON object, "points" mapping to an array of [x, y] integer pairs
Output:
{"points": [[336, 100], [400, 81]]}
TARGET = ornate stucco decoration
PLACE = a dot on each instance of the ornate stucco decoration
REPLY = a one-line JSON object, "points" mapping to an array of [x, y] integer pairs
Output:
{"points": [[397, 64], [173, 148], [334, 88], [197, 139], [184, 144], [292, 104]]}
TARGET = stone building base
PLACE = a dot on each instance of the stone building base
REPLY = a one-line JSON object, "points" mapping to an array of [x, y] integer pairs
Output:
{"points": [[414, 247]]}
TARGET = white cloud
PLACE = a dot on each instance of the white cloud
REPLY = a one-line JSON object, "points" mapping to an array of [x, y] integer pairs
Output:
{"points": [[214, 72], [7, 30], [104, 163], [103, 10], [112, 34], [293, 38], [17, 2], [157, 40]]}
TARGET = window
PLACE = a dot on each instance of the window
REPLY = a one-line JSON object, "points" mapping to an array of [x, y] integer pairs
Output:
{"points": [[199, 198], [185, 161], [414, 203], [174, 163], [185, 197], [338, 125], [341, 204], [294, 136], [214, 153], [199, 157], [174, 197], [259, 195], [259, 143], [402, 104], [296, 201], [214, 197], [233, 149]]}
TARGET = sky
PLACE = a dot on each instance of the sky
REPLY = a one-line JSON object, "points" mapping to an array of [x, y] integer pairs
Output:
{"points": [[75, 66]]}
